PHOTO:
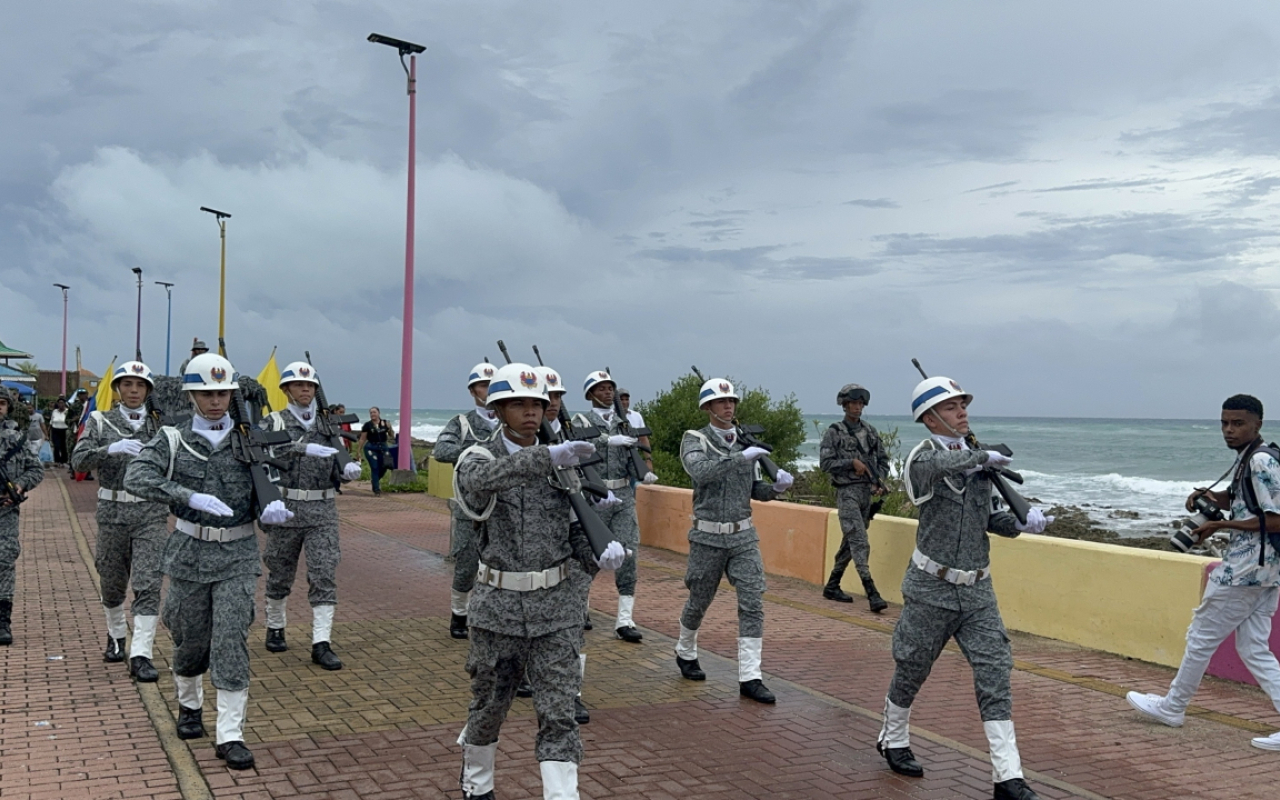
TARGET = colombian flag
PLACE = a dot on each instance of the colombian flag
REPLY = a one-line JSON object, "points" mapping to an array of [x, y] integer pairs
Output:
{"points": [[270, 380]]}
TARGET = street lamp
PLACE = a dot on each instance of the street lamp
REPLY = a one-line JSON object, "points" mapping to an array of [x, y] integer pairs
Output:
{"points": [[64, 288], [405, 453], [222, 218], [137, 343], [168, 328]]}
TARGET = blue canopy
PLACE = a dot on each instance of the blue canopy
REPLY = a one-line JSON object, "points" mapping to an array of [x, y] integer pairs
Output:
{"points": [[21, 389]]}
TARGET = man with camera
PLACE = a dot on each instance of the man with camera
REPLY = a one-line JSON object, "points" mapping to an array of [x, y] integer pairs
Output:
{"points": [[1242, 593]]}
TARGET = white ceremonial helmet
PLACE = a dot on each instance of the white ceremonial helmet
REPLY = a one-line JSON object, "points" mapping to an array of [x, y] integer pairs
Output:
{"points": [[209, 372], [514, 381], [551, 380], [484, 371], [299, 371], [133, 369], [715, 389], [931, 391], [593, 380]]}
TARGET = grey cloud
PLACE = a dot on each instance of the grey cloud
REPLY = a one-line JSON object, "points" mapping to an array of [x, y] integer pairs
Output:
{"points": [[1002, 185], [1246, 129], [962, 124], [756, 261], [1106, 183], [881, 202]]}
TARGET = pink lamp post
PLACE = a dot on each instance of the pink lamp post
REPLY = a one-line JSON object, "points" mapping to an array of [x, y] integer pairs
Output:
{"points": [[63, 391]]}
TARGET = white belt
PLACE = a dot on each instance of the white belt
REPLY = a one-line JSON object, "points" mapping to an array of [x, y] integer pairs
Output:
{"points": [[308, 494], [207, 534], [522, 581], [118, 497], [960, 577], [619, 483], [722, 527]]}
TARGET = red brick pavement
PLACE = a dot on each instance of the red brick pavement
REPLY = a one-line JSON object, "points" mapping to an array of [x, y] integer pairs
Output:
{"points": [[386, 726]]}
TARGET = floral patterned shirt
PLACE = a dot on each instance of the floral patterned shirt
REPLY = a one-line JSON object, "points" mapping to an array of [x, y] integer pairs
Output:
{"points": [[1239, 565]]}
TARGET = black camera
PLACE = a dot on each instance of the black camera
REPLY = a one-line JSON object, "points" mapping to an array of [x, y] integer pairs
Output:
{"points": [[1205, 511]]}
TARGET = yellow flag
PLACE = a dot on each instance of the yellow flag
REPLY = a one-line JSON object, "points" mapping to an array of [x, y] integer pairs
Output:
{"points": [[103, 400], [270, 380]]}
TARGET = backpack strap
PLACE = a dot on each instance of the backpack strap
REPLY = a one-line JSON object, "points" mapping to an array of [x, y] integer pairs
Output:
{"points": [[1250, 497]]}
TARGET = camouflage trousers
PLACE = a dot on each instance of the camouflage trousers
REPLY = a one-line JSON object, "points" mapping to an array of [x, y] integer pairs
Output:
{"points": [[621, 520], [209, 624], [744, 569], [465, 550], [919, 637], [550, 663], [131, 553], [853, 502], [280, 555], [10, 549]]}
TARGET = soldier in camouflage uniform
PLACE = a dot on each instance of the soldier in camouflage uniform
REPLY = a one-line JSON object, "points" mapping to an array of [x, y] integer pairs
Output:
{"points": [[212, 557], [308, 482], [464, 430], [526, 608], [131, 531], [723, 540], [617, 471], [24, 472], [75, 410], [947, 587], [853, 455]]}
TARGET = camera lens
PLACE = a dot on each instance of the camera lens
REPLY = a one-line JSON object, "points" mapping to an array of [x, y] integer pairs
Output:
{"points": [[1182, 541]]}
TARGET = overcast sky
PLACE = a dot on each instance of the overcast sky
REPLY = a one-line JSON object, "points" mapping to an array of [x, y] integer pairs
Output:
{"points": [[1070, 209]]}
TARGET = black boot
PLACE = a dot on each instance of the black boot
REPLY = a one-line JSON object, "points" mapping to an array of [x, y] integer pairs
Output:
{"points": [[235, 754], [756, 690], [901, 760], [190, 722], [275, 640], [323, 655], [141, 668], [873, 597], [114, 653], [1014, 789], [6, 614], [690, 669], [629, 634], [458, 626], [586, 621], [524, 689], [580, 713], [832, 590]]}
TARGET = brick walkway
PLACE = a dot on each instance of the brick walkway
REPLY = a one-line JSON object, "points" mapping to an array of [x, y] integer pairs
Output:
{"points": [[385, 727]]}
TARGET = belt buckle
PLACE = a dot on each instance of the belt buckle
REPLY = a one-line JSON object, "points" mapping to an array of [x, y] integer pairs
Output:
{"points": [[538, 580], [942, 573]]}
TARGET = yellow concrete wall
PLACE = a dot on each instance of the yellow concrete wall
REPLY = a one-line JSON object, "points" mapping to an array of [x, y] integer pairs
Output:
{"points": [[439, 478]]}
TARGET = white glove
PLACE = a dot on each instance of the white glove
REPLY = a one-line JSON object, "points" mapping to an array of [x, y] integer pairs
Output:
{"points": [[1037, 521], [351, 471], [568, 454], [208, 504], [608, 500], [613, 557], [275, 513], [127, 446], [649, 479], [783, 482], [754, 453], [618, 440], [995, 459], [320, 451]]}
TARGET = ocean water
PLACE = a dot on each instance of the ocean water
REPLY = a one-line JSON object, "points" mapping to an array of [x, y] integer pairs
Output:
{"points": [[1112, 468]]}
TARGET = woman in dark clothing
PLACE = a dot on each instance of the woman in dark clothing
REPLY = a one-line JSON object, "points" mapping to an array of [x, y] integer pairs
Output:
{"points": [[375, 436]]}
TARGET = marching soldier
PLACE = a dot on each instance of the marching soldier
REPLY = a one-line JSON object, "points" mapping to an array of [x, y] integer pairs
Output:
{"points": [[212, 556], [616, 471], [308, 483], [853, 455], [526, 608], [947, 588], [723, 540], [24, 472], [461, 432], [131, 531]]}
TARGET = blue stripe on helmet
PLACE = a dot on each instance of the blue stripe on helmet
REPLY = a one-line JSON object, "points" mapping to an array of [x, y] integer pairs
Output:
{"points": [[706, 393], [473, 376], [287, 373], [500, 386], [929, 395], [193, 377]]}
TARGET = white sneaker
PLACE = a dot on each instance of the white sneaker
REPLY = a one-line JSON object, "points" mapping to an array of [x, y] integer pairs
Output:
{"points": [[1153, 706], [1271, 742]]}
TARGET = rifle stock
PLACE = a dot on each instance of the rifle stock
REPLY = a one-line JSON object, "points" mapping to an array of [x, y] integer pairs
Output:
{"points": [[249, 444], [329, 425]]}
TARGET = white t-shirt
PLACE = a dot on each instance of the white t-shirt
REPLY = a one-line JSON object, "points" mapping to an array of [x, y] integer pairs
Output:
{"points": [[634, 419], [57, 419]]}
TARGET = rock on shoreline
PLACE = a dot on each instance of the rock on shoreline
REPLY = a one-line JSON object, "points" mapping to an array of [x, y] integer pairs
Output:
{"points": [[1071, 522]]}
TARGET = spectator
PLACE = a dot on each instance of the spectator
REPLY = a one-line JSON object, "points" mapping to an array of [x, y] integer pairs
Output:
{"points": [[197, 348], [374, 437], [340, 409], [59, 422], [35, 432]]}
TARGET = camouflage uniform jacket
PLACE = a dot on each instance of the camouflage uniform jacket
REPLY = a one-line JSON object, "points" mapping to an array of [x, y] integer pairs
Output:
{"points": [[724, 484], [91, 453], [842, 443], [617, 460], [23, 468], [454, 439], [953, 526], [528, 531], [198, 467], [302, 471]]}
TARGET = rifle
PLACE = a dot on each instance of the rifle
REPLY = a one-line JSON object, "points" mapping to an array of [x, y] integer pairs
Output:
{"points": [[999, 476], [876, 482], [11, 495], [591, 480], [566, 479], [749, 434], [249, 445], [329, 425], [624, 427]]}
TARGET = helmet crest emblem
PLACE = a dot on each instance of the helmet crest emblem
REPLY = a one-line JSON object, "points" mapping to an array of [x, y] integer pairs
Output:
{"points": [[528, 379], [488, 372], [218, 374], [304, 372], [552, 380], [956, 386], [138, 369], [724, 387], [602, 375]]}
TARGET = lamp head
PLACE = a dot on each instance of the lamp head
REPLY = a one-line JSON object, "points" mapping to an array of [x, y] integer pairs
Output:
{"points": [[404, 47], [216, 212]]}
